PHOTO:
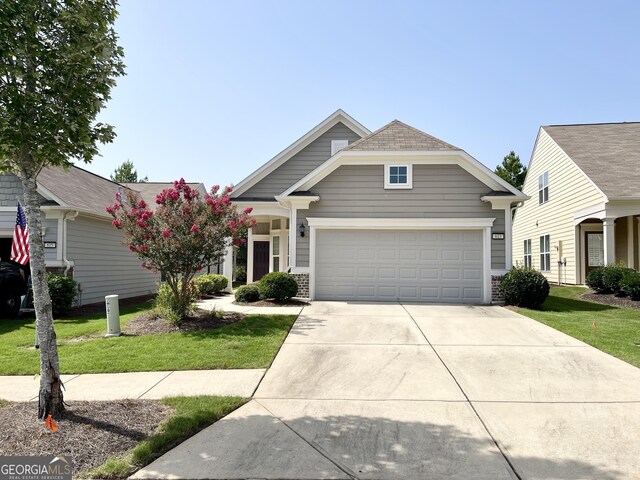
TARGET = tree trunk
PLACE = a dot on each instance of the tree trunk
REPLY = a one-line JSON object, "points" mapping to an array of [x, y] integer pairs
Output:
{"points": [[50, 398]]}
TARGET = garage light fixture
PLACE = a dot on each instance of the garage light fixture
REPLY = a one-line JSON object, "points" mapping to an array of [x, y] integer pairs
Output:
{"points": [[301, 229]]}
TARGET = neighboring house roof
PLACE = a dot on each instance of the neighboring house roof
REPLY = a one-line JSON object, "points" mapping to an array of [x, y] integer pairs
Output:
{"points": [[398, 137], [339, 116], [78, 189], [608, 153], [149, 190]]}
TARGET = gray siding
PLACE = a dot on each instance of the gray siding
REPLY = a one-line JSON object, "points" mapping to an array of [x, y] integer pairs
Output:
{"points": [[301, 164], [103, 265], [10, 188], [439, 191], [8, 221]]}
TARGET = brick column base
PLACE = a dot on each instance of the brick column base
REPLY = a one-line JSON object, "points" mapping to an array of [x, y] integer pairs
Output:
{"points": [[496, 297], [303, 284]]}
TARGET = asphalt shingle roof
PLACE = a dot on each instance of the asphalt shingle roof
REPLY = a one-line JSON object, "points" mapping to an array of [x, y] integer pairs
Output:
{"points": [[398, 136], [149, 190], [609, 153]]}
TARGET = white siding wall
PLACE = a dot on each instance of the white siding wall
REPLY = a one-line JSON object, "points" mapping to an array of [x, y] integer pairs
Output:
{"points": [[569, 191], [103, 265]]}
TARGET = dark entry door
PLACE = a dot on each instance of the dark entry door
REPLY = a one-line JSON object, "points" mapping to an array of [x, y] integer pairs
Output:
{"points": [[260, 260], [594, 251]]}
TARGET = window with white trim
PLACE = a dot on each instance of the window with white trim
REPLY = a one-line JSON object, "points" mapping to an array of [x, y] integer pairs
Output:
{"points": [[527, 253], [337, 145], [543, 188], [275, 246], [545, 253], [397, 176]]}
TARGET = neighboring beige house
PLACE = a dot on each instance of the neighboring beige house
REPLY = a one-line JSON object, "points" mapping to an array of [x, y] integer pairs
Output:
{"points": [[396, 214], [584, 184]]}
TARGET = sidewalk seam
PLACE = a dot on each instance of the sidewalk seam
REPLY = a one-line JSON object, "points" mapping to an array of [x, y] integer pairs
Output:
{"points": [[155, 384], [486, 427]]}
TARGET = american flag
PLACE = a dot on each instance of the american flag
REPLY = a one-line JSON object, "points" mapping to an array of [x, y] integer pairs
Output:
{"points": [[20, 244]]}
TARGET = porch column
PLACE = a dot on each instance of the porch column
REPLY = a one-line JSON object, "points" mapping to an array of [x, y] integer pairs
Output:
{"points": [[227, 267], [250, 256], [293, 229], [508, 260], [608, 230]]}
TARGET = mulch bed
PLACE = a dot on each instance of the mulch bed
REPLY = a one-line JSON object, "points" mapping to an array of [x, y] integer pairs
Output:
{"points": [[150, 323], [89, 432], [273, 303], [610, 299]]}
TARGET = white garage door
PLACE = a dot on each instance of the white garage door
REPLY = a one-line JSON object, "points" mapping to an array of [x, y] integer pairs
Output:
{"points": [[385, 265]]}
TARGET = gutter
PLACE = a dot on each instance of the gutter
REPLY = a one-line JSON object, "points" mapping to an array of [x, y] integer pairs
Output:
{"points": [[64, 239]]}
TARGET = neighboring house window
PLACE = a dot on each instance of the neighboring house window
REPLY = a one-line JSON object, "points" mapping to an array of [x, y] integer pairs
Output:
{"points": [[543, 188], [527, 253], [276, 254], [545, 253], [398, 176], [337, 145]]}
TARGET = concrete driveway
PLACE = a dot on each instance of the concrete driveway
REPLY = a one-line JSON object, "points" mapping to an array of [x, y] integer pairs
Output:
{"points": [[390, 391]]}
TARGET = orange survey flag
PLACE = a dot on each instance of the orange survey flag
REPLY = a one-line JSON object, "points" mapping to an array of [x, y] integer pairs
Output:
{"points": [[51, 424]]}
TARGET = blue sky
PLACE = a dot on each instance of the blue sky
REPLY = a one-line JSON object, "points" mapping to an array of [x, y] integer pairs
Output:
{"points": [[215, 89]]}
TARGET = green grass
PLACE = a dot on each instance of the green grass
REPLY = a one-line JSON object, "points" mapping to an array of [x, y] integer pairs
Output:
{"points": [[249, 343], [190, 415], [617, 331], [3, 403]]}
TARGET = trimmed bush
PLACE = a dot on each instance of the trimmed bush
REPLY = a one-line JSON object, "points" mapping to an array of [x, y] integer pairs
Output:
{"points": [[63, 291], [248, 293], [631, 284], [524, 287], [210, 284], [280, 286], [612, 278], [595, 280]]}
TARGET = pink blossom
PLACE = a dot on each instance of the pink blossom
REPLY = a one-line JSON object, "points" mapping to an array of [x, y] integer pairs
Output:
{"points": [[199, 267], [142, 204], [166, 233], [247, 211], [194, 228], [116, 223]]}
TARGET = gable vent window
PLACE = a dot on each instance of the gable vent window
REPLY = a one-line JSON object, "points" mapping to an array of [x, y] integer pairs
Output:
{"points": [[337, 145], [543, 188], [397, 176]]}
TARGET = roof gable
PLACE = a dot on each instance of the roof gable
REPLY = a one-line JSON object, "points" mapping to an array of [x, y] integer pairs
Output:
{"points": [[608, 153], [339, 116], [397, 136]]}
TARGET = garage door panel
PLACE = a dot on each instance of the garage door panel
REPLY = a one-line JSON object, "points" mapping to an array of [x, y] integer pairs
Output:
{"points": [[432, 266]]}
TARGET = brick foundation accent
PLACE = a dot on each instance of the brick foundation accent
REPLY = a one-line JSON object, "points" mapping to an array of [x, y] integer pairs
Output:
{"points": [[303, 284], [495, 293]]}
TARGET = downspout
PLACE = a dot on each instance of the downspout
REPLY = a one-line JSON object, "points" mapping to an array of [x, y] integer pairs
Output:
{"points": [[64, 239]]}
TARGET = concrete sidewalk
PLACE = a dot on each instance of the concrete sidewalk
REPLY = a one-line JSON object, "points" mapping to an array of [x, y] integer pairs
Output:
{"points": [[146, 385]]}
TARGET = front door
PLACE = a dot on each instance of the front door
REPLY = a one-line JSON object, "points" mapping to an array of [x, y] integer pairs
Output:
{"points": [[260, 260], [594, 251]]}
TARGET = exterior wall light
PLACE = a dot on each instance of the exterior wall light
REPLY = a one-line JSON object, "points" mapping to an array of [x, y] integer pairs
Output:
{"points": [[301, 229]]}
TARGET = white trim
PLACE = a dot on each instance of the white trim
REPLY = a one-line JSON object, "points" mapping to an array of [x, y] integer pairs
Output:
{"points": [[300, 270], [398, 186], [452, 157], [293, 237], [508, 248], [630, 252], [312, 262], [486, 265], [250, 256], [300, 202], [581, 258], [609, 231], [595, 211], [227, 266], [320, 129], [262, 209], [405, 223]]}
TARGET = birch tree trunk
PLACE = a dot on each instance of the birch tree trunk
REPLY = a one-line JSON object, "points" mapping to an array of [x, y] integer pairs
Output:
{"points": [[50, 397]]}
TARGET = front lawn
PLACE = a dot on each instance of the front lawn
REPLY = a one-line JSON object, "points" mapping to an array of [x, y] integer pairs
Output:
{"points": [[616, 330], [250, 343]]}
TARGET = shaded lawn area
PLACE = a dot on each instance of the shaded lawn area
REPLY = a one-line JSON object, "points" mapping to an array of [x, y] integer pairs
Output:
{"points": [[250, 343], [617, 331]]}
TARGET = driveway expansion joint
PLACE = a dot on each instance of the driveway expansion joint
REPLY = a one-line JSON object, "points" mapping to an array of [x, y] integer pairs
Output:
{"points": [[154, 385]]}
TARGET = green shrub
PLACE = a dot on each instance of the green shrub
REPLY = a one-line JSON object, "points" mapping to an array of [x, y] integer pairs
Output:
{"points": [[241, 273], [524, 287], [248, 293], [595, 280], [210, 284], [280, 286], [63, 291], [631, 284], [169, 307], [612, 278]]}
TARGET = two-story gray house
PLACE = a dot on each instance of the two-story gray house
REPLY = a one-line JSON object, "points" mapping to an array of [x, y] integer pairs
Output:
{"points": [[394, 214]]}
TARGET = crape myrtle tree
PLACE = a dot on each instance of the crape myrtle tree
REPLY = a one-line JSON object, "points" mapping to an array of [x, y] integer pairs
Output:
{"points": [[184, 234], [58, 63]]}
